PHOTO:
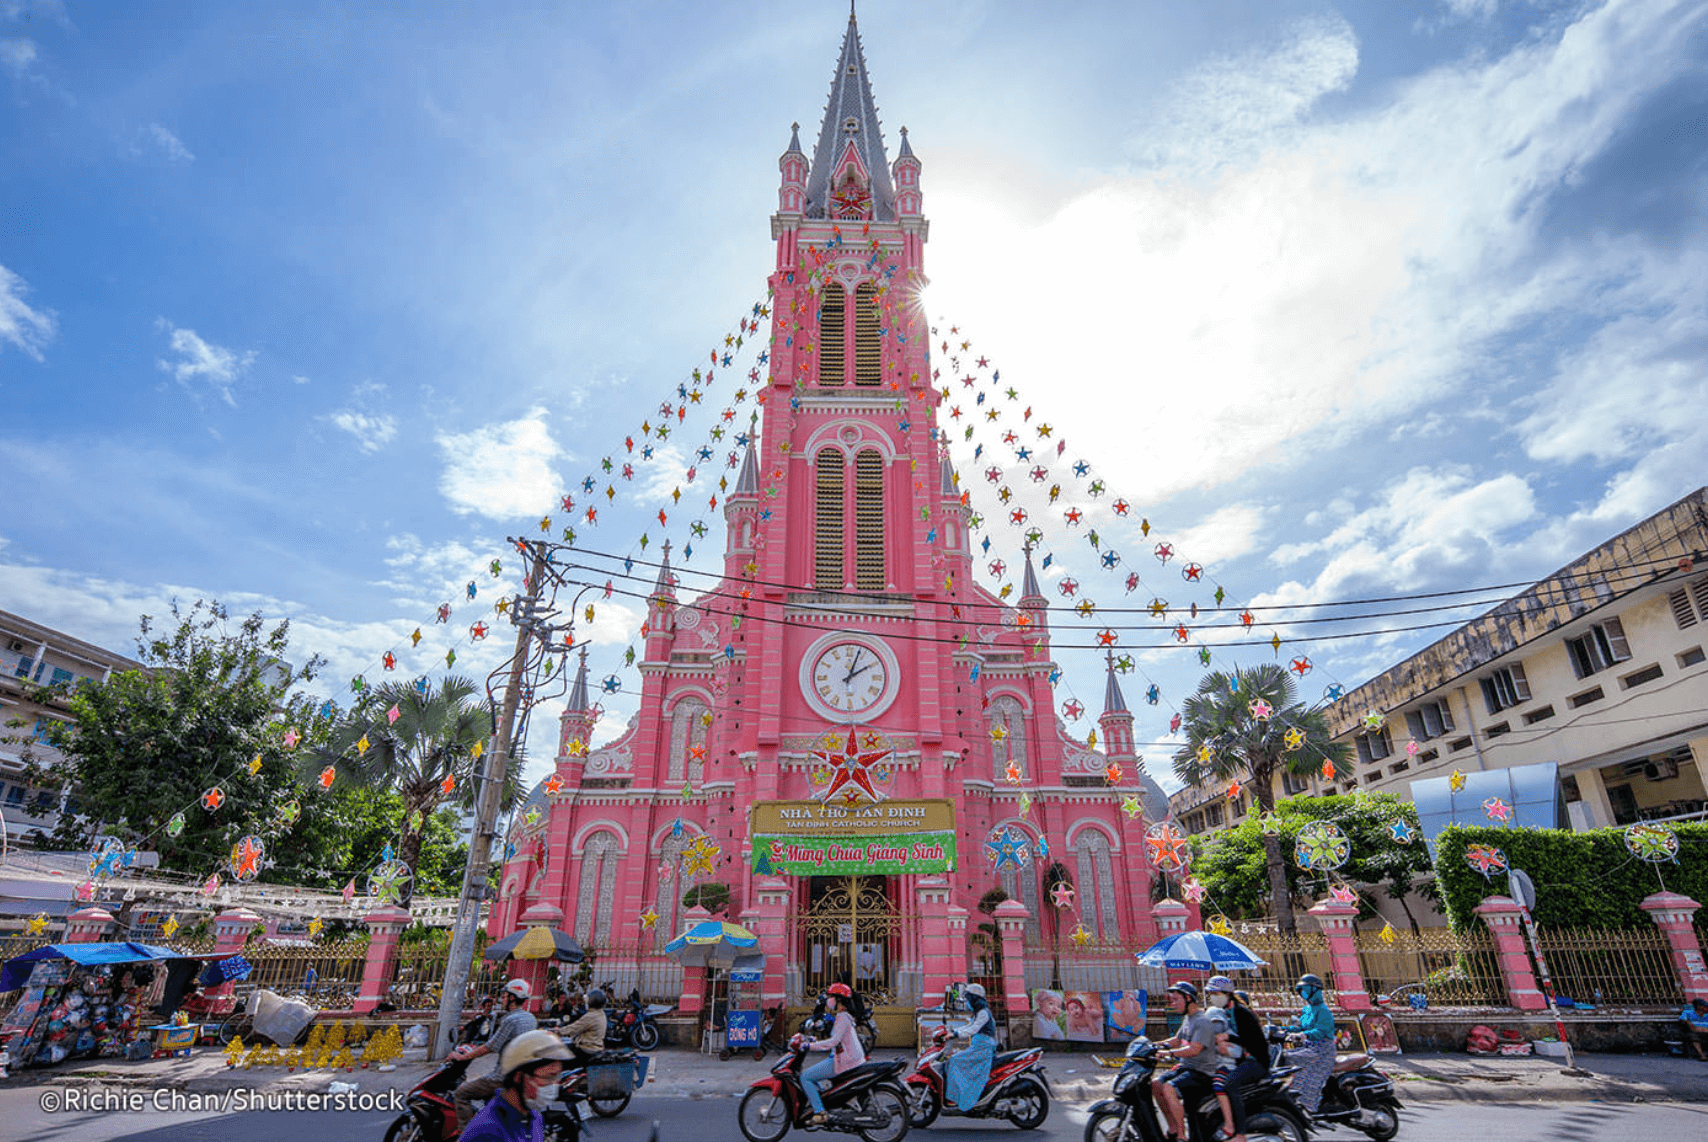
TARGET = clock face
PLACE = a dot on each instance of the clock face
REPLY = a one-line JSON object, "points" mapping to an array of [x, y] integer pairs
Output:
{"points": [[850, 678]]}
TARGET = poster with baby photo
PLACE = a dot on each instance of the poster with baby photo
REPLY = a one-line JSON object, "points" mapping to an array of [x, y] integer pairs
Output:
{"points": [[1048, 1017], [1124, 1013], [1082, 1016]]}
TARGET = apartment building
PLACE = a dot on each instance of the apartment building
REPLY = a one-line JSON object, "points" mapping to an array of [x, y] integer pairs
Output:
{"points": [[1599, 670]]}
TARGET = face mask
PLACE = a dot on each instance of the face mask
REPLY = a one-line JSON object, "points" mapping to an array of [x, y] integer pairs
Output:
{"points": [[543, 1097], [1217, 999]]}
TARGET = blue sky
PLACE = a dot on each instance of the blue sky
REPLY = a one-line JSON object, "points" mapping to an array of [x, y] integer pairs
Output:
{"points": [[306, 307]]}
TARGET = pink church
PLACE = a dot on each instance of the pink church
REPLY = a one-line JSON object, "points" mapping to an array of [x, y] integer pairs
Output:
{"points": [[846, 730]]}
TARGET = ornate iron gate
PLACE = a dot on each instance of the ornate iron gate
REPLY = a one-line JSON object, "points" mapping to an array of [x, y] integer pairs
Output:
{"points": [[851, 932]]}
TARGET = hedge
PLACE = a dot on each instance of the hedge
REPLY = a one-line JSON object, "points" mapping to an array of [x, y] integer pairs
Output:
{"points": [[1583, 880]]}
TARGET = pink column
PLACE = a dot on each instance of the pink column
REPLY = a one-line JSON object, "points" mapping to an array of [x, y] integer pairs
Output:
{"points": [[1171, 917], [1673, 913], [385, 925], [1011, 917], [88, 925], [1505, 919], [693, 999], [1337, 921], [942, 958], [768, 919], [542, 914], [231, 933]]}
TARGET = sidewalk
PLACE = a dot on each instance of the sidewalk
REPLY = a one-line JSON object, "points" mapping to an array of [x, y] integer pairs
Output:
{"points": [[1074, 1078]]}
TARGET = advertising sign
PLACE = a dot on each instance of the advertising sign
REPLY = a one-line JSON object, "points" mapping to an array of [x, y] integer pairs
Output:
{"points": [[806, 838]]}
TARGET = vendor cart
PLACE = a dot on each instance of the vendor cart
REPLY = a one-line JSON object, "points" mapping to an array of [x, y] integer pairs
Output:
{"points": [[743, 1016], [83, 999]]}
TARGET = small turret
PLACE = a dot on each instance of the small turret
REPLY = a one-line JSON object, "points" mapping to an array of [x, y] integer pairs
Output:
{"points": [[576, 725], [792, 194], [1117, 721], [909, 203]]}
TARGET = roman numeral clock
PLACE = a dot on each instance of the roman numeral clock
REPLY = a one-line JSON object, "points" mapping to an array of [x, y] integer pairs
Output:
{"points": [[850, 678]]}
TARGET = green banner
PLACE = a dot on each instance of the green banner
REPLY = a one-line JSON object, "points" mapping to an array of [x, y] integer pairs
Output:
{"points": [[823, 856]]}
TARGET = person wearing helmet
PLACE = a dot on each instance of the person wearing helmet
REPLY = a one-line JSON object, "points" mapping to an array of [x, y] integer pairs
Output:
{"points": [[1316, 1057], [842, 1043], [516, 1022], [1195, 1051], [528, 1071], [968, 1070], [1244, 1052], [586, 1035]]}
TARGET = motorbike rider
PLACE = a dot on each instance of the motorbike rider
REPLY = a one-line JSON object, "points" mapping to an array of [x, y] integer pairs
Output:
{"points": [[967, 1070], [1246, 1049], [586, 1035], [516, 1022], [842, 1043], [1195, 1048], [528, 1070], [1316, 1057]]}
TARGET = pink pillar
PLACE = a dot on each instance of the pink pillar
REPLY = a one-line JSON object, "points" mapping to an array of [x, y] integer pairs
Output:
{"points": [[1506, 920], [1011, 917], [1337, 921], [1171, 917], [942, 959], [385, 925], [1673, 913], [231, 933], [88, 925], [693, 1000], [768, 919], [540, 915]]}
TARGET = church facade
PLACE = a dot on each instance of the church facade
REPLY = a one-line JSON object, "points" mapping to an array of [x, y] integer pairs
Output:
{"points": [[846, 730]]}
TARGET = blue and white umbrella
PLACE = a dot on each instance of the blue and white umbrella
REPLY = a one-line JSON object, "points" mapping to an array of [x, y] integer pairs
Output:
{"points": [[711, 944], [1199, 951]]}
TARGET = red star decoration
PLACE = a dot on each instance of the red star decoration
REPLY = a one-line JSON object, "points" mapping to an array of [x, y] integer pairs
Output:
{"points": [[1074, 515], [1072, 709], [1192, 571], [447, 785], [1300, 666], [213, 799], [1122, 507], [1167, 850], [1165, 551], [554, 785], [1181, 633], [1105, 638], [1018, 515], [851, 766], [984, 363], [390, 660], [246, 859], [1009, 437]]}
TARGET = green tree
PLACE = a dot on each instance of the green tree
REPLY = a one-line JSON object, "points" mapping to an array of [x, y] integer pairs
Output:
{"points": [[1226, 740], [422, 742], [209, 709], [1232, 863], [342, 832]]}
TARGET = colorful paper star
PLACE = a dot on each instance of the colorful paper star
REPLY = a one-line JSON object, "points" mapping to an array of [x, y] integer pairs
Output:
{"points": [[1080, 936], [1342, 894], [1234, 789], [1497, 810], [1294, 737], [1193, 890], [1062, 894], [1270, 824], [1401, 832], [37, 925], [1260, 709], [246, 856], [1165, 844], [1373, 719], [1112, 773], [447, 785], [850, 766], [1387, 935], [175, 825], [1007, 848], [700, 857], [1204, 754], [1219, 926], [1485, 859], [1130, 805], [554, 785], [648, 919], [213, 799], [1456, 780], [1011, 773], [314, 927], [363, 745]]}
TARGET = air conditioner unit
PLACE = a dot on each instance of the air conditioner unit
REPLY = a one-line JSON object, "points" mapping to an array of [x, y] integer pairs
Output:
{"points": [[1663, 770], [15, 646]]}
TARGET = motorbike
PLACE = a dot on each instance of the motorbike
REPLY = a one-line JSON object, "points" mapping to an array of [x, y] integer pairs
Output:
{"points": [[864, 1100], [1017, 1089], [1271, 1112], [1356, 1094], [864, 1029], [635, 1024], [431, 1114]]}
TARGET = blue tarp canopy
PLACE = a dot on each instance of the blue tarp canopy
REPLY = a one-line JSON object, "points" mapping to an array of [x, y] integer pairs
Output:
{"points": [[17, 970], [1531, 792]]}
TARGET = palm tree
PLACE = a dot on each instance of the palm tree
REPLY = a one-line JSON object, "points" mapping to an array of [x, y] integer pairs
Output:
{"points": [[1227, 739], [436, 734]]}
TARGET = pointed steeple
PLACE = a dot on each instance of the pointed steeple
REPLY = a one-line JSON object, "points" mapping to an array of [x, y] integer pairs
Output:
{"points": [[850, 119], [747, 484], [1029, 588], [906, 151], [666, 585], [947, 475], [1114, 702], [578, 692]]}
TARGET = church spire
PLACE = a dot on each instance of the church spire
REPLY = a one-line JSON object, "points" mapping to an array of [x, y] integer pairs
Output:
{"points": [[1114, 702], [747, 484], [666, 585], [850, 123], [578, 692]]}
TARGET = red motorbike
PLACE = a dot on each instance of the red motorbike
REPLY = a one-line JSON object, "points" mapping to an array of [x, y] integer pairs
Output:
{"points": [[432, 1113], [1017, 1089], [863, 1100]]}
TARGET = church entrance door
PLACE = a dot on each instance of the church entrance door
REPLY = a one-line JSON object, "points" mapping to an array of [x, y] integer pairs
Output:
{"points": [[851, 933]]}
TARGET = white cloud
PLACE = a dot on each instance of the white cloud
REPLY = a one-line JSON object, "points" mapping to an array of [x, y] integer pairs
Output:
{"points": [[503, 470], [27, 329], [218, 366], [16, 56], [167, 143], [299, 379], [372, 431], [1223, 535]]}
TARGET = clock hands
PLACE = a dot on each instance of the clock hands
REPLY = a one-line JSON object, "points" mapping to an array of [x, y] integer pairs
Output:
{"points": [[849, 677]]}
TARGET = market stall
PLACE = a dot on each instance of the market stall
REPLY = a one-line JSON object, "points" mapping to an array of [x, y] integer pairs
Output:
{"points": [[81, 1000]]}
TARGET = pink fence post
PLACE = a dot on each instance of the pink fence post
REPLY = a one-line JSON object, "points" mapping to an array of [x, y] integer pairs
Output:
{"points": [[539, 915], [1171, 917], [768, 918], [1506, 922], [1337, 921], [942, 959], [88, 925], [1672, 913], [385, 925], [693, 999], [231, 934], [1011, 917]]}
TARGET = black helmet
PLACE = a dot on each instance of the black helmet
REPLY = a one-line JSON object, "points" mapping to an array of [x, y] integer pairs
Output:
{"points": [[595, 999], [1310, 979], [1185, 989]]}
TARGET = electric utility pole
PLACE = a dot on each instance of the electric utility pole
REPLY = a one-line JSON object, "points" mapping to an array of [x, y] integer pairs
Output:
{"points": [[487, 800]]}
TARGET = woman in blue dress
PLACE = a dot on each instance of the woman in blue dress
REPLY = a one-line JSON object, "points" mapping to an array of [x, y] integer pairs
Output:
{"points": [[969, 1068]]}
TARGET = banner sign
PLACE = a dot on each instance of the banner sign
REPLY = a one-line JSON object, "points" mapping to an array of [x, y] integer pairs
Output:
{"points": [[806, 838]]}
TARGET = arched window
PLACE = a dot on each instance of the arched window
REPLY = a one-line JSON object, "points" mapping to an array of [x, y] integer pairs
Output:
{"points": [[869, 521], [868, 351], [827, 523], [1095, 877], [670, 891], [832, 314], [1006, 713], [688, 732], [597, 889], [1022, 884]]}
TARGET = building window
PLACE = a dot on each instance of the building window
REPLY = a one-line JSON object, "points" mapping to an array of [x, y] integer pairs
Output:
{"points": [[61, 676], [597, 890], [25, 665], [869, 521], [1374, 746], [1459, 744], [868, 347], [15, 794], [1541, 715], [1007, 713], [688, 732], [1430, 720], [1505, 688], [1398, 767], [1498, 729], [1022, 884], [1641, 677], [1691, 657], [1598, 648], [1096, 887], [831, 316], [670, 893], [827, 555], [1294, 783], [1682, 612], [1594, 694]]}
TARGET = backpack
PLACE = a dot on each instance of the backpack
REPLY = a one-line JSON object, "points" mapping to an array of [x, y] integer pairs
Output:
{"points": [[1248, 1033]]}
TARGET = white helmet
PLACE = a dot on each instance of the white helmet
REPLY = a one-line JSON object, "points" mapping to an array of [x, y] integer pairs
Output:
{"points": [[975, 989], [529, 1048], [520, 989]]}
